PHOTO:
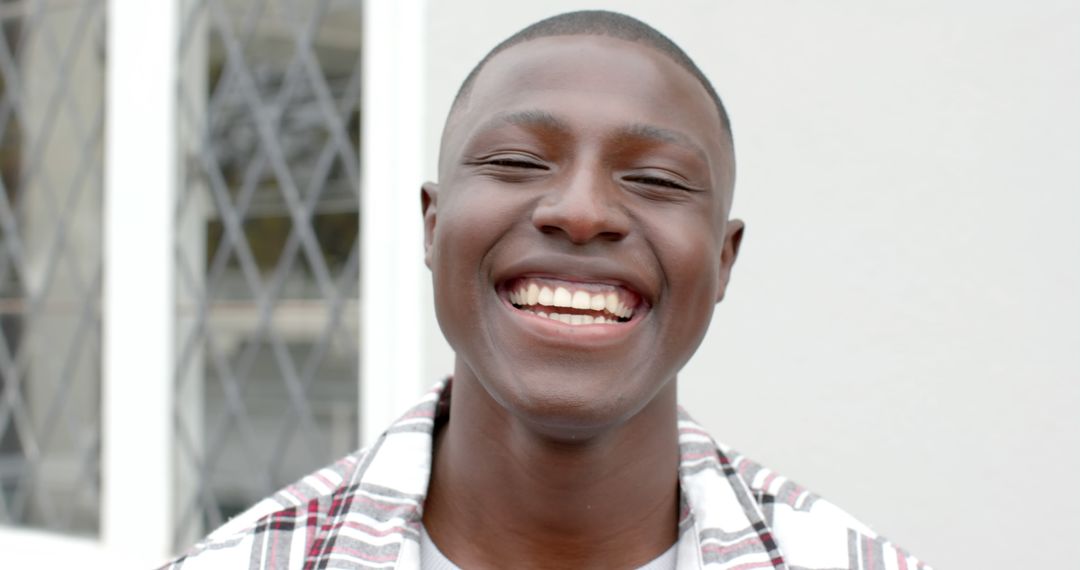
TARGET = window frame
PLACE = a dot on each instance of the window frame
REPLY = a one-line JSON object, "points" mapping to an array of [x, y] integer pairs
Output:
{"points": [[138, 304]]}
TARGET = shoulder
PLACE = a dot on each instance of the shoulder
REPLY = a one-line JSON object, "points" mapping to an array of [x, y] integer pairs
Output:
{"points": [[360, 510], [812, 532], [280, 526]]}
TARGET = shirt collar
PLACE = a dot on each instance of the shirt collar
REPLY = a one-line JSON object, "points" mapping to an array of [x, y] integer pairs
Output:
{"points": [[721, 524]]}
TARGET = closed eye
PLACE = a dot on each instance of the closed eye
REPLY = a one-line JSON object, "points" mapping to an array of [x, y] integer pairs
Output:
{"points": [[514, 163], [508, 160], [655, 181]]}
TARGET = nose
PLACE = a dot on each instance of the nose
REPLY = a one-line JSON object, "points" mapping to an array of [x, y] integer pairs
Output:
{"points": [[584, 208]]}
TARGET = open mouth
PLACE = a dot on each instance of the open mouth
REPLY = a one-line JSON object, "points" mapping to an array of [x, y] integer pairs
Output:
{"points": [[573, 303]]}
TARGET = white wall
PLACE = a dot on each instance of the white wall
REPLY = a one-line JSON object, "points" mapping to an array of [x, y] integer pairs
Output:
{"points": [[903, 330]]}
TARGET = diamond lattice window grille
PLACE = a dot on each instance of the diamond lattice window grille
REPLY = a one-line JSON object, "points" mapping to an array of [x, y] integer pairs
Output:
{"points": [[52, 63], [267, 253]]}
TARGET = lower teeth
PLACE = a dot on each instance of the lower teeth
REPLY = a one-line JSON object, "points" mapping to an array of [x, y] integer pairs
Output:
{"points": [[575, 319]]}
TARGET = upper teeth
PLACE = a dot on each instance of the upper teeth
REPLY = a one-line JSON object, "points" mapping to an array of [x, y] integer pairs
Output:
{"points": [[533, 294]]}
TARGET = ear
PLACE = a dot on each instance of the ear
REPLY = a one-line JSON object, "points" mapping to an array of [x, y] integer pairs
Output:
{"points": [[733, 234], [429, 197]]}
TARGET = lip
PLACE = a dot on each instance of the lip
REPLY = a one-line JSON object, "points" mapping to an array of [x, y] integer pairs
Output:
{"points": [[574, 269], [558, 333], [577, 269]]}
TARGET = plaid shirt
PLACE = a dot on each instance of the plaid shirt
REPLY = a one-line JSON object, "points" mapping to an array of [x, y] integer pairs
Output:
{"points": [[365, 512]]}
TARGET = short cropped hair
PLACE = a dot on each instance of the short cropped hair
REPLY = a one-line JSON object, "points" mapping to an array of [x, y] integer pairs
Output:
{"points": [[600, 23]]}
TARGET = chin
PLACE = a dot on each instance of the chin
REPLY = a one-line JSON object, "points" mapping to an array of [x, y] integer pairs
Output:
{"points": [[573, 403]]}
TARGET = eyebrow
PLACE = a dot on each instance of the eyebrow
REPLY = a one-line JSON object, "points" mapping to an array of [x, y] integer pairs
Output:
{"points": [[659, 134], [548, 121], [541, 119]]}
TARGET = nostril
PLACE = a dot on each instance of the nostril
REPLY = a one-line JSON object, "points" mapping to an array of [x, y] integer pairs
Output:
{"points": [[581, 217], [580, 236], [548, 230]]}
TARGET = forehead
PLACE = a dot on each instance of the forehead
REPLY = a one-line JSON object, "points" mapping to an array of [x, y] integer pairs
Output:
{"points": [[592, 83]]}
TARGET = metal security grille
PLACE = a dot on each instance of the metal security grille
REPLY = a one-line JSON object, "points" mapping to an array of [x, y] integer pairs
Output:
{"points": [[51, 111], [267, 252]]}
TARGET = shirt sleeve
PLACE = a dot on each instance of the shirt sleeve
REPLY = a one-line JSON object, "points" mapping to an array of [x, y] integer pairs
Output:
{"points": [[278, 531]]}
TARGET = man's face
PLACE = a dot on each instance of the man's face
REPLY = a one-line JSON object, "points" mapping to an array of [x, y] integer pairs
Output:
{"points": [[578, 238]]}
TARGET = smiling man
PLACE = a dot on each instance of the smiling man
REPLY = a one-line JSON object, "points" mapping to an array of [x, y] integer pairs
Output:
{"points": [[578, 239]]}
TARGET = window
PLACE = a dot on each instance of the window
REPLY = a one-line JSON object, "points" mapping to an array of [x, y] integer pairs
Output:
{"points": [[52, 73], [145, 399], [267, 250]]}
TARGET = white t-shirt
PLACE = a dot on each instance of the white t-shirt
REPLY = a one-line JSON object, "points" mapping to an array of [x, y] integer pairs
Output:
{"points": [[431, 558]]}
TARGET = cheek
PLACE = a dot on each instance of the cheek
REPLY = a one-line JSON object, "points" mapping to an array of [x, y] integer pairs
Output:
{"points": [[452, 251], [695, 279], [689, 251], [690, 260], [465, 235], [458, 236], [471, 223]]}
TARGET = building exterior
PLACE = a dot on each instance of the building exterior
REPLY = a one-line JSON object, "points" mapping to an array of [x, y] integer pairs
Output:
{"points": [[181, 264], [211, 278]]}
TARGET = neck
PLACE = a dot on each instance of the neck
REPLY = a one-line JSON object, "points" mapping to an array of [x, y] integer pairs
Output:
{"points": [[608, 499]]}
